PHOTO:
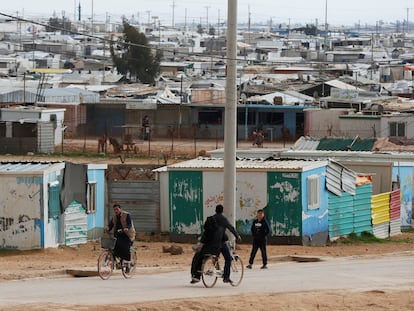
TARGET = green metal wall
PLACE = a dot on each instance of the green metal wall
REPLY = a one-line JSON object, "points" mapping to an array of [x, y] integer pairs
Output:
{"points": [[186, 202], [284, 211]]}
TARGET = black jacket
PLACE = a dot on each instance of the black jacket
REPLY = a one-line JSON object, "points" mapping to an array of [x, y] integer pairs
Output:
{"points": [[260, 229], [215, 237], [224, 223]]}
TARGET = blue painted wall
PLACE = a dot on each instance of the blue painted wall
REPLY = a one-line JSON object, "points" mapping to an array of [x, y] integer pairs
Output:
{"points": [[97, 220], [406, 186], [315, 221]]}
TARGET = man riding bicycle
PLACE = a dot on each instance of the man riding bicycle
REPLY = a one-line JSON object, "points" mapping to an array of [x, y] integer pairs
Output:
{"points": [[213, 239], [124, 232]]}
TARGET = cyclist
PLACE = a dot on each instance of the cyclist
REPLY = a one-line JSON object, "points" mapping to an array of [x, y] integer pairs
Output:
{"points": [[124, 232], [213, 240]]}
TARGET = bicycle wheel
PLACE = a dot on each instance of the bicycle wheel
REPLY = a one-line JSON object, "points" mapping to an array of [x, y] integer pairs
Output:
{"points": [[128, 268], [105, 264], [209, 271], [237, 270]]}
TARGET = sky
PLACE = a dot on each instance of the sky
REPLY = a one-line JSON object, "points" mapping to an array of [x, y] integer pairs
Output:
{"points": [[339, 12]]}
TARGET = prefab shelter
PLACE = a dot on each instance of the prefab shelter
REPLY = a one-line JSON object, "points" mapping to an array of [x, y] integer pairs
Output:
{"points": [[31, 129], [29, 204], [292, 193], [32, 215]]}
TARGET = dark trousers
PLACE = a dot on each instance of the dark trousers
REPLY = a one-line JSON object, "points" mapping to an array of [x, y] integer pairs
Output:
{"points": [[198, 257], [258, 244], [227, 260], [122, 246]]}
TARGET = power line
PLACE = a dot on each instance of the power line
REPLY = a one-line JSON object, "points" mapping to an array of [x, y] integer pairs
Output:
{"points": [[111, 41]]}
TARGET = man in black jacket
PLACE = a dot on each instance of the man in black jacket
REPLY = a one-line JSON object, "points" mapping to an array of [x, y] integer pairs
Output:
{"points": [[260, 229], [213, 239]]}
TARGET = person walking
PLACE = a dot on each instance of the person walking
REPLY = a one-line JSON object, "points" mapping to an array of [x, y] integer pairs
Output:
{"points": [[259, 229]]}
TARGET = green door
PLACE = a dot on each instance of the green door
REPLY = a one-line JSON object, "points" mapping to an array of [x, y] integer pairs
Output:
{"points": [[284, 211], [186, 202]]}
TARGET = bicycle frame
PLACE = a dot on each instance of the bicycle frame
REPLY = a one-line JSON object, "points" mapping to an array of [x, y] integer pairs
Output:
{"points": [[212, 269], [107, 261]]}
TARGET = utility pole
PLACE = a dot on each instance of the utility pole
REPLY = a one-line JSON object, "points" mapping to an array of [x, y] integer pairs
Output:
{"points": [[326, 24], [372, 54], [185, 20], [230, 131], [92, 21], [149, 14], [218, 23], [173, 10], [249, 14], [207, 28]]}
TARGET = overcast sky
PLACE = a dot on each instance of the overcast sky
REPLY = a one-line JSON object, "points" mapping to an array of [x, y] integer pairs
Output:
{"points": [[339, 12]]}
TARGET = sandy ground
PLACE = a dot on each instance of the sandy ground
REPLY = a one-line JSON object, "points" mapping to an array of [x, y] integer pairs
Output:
{"points": [[50, 263]]}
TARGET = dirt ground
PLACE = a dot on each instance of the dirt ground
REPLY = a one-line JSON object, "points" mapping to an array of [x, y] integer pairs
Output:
{"points": [[157, 151], [51, 263]]}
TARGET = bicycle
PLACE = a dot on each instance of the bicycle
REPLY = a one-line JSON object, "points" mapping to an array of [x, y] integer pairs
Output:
{"points": [[107, 261], [212, 268]]}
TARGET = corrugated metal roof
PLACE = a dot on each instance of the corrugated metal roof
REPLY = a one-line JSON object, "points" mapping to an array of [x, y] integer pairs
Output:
{"points": [[306, 143], [248, 163], [342, 85], [339, 179], [25, 167], [350, 144]]}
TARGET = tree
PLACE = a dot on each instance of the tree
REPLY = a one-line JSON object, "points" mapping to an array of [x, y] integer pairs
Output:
{"points": [[133, 57], [200, 29], [59, 24], [310, 30]]}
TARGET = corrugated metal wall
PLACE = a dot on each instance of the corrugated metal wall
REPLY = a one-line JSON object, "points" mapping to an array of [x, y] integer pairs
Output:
{"points": [[341, 215], [362, 209], [348, 213], [45, 137], [381, 214], [395, 212], [140, 198], [340, 179]]}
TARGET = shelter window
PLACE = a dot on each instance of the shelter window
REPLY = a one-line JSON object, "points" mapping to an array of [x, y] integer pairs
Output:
{"points": [[209, 117], [313, 192], [91, 197], [397, 129], [54, 200]]}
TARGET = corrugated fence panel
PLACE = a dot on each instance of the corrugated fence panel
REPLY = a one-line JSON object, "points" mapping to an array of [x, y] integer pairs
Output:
{"points": [[76, 225], [141, 198], [46, 137], [333, 183], [395, 227], [362, 209], [339, 178], [340, 215], [381, 230], [380, 208], [395, 205]]}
